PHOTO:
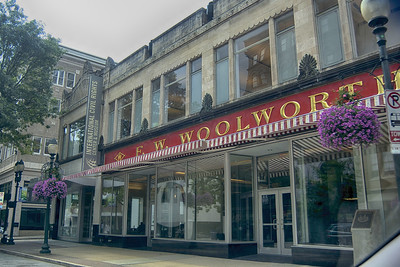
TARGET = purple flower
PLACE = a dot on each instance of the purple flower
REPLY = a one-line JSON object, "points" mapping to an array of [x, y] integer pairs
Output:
{"points": [[50, 188], [348, 125]]}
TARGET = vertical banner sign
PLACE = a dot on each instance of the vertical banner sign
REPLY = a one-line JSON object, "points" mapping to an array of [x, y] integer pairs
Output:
{"points": [[1, 199], [393, 114], [92, 122]]}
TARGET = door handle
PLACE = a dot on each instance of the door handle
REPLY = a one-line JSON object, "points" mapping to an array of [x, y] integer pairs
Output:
{"points": [[274, 224]]}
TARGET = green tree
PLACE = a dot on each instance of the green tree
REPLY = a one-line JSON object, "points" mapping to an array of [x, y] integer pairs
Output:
{"points": [[27, 57]]}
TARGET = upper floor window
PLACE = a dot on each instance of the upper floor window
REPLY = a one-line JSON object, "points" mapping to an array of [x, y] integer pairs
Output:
{"points": [[70, 80], [252, 61], [64, 152], [175, 94], [111, 112], [76, 137], [124, 116], [58, 77], [286, 47], [222, 74], [155, 102], [329, 34], [36, 145], [364, 40], [48, 142], [138, 110], [195, 86]]}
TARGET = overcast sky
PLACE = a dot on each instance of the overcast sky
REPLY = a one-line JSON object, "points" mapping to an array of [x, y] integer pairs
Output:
{"points": [[114, 28]]}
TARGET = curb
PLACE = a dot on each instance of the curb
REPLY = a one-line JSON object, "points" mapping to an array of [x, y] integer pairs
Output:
{"points": [[34, 257]]}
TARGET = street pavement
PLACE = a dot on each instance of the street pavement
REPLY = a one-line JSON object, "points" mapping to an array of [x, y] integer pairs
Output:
{"points": [[78, 254]]}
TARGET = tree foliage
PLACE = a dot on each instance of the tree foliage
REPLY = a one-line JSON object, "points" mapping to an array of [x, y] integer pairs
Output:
{"points": [[27, 57]]}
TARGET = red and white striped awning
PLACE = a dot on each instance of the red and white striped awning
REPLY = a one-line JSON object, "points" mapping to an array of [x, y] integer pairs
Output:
{"points": [[292, 125]]}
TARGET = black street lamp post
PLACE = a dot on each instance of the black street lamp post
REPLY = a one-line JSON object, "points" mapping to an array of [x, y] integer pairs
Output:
{"points": [[45, 247], [376, 13], [18, 169]]}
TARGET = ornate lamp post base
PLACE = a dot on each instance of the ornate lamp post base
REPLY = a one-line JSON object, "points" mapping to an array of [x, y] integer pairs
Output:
{"points": [[45, 247]]}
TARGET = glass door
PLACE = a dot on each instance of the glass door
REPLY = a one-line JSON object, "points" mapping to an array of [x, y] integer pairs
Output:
{"points": [[276, 233]]}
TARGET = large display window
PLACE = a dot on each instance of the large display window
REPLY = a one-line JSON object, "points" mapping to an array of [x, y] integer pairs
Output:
{"points": [[242, 198], [137, 202], [326, 194], [171, 188], [112, 205], [205, 199]]}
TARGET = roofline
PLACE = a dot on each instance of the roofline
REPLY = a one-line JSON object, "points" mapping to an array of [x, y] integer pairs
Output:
{"points": [[83, 55]]}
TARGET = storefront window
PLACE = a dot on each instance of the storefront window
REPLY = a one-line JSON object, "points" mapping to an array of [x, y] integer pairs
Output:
{"points": [[205, 199], [381, 187], [242, 198], [112, 205], [137, 202], [171, 201], [326, 193], [69, 223]]}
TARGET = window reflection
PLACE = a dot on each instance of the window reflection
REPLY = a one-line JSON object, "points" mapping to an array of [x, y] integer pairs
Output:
{"points": [[206, 199], [253, 63], [326, 194]]}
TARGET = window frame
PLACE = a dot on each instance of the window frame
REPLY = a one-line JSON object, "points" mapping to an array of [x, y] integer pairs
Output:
{"points": [[68, 80], [57, 75]]}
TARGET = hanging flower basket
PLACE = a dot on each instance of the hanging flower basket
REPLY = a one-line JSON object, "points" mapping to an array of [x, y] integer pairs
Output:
{"points": [[50, 188], [348, 123]]}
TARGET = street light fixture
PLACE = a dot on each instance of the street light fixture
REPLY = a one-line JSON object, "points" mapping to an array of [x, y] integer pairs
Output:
{"points": [[18, 169], [376, 13], [53, 148]]}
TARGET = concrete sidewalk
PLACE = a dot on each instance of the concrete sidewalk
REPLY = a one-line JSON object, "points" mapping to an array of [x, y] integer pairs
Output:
{"points": [[77, 254]]}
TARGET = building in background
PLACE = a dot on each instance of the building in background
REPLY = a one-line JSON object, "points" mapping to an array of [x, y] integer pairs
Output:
{"points": [[207, 141], [30, 213]]}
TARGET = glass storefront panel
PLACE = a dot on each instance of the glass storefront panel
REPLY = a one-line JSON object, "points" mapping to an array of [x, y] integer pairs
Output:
{"points": [[69, 222], [326, 194], [381, 186], [171, 186], [242, 198], [205, 199], [112, 205], [273, 171], [137, 203]]}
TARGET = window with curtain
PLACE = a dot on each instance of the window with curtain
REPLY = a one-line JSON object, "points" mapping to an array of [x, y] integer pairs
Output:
{"points": [[138, 110], [195, 86], [286, 47], [155, 102], [124, 116], [252, 61], [175, 94], [222, 74], [329, 33]]}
